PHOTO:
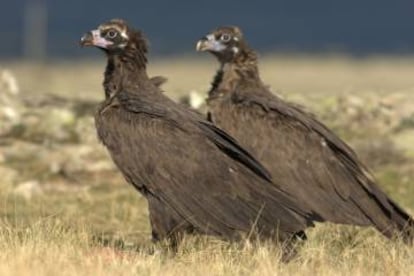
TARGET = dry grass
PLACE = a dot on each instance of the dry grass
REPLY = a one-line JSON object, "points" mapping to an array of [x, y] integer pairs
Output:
{"points": [[291, 75], [103, 229]]}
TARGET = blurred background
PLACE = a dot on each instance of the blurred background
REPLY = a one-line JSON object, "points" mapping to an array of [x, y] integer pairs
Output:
{"points": [[47, 28], [349, 62]]}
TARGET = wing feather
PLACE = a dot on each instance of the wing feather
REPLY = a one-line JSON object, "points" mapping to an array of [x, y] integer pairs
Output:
{"points": [[311, 162]]}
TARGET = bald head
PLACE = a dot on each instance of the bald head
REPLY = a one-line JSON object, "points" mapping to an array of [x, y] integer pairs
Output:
{"points": [[225, 42], [114, 36]]}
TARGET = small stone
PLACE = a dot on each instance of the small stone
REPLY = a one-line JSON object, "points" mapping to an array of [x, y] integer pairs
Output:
{"points": [[10, 113], [194, 100], [28, 189], [9, 82]]}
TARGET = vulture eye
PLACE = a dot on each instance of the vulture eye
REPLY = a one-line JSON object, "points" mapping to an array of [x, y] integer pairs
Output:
{"points": [[225, 37], [111, 34]]}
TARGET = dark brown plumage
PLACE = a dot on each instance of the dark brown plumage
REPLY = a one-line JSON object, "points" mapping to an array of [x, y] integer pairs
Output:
{"points": [[305, 158], [195, 177]]}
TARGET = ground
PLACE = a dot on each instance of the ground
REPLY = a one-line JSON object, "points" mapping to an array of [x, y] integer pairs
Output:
{"points": [[65, 209]]}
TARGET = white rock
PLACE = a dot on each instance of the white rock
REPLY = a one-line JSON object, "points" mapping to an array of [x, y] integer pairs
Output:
{"points": [[195, 99], [28, 189], [10, 113], [9, 81]]}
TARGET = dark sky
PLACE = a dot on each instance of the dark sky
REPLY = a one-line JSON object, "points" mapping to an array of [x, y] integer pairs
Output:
{"points": [[350, 26]]}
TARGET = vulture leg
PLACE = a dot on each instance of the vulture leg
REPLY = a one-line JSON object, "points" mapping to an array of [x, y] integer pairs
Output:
{"points": [[166, 223], [289, 247]]}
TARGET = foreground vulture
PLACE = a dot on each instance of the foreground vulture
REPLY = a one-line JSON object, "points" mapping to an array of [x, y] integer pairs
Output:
{"points": [[196, 178], [304, 157]]}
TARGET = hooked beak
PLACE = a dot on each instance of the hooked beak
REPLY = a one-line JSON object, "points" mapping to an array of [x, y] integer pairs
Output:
{"points": [[93, 38], [202, 45], [209, 43]]}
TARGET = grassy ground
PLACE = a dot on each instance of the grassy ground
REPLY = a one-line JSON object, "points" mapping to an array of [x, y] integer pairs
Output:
{"points": [[102, 229], [291, 75]]}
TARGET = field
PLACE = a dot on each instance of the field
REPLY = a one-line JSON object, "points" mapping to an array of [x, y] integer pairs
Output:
{"points": [[65, 210]]}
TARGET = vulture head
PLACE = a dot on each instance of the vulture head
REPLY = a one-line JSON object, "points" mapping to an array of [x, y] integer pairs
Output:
{"points": [[116, 37], [226, 43]]}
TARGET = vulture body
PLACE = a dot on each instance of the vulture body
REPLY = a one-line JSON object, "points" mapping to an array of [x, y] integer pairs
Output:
{"points": [[305, 158], [195, 177]]}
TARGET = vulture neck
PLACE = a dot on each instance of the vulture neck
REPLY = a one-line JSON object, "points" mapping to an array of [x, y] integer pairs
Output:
{"points": [[124, 70], [241, 71]]}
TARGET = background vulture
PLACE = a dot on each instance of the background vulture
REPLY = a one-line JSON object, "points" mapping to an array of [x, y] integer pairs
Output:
{"points": [[304, 157], [195, 177]]}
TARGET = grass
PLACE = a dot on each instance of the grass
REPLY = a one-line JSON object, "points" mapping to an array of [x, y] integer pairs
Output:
{"points": [[103, 229], [290, 75]]}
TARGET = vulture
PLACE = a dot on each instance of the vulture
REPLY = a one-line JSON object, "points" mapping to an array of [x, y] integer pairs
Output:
{"points": [[305, 158], [195, 177]]}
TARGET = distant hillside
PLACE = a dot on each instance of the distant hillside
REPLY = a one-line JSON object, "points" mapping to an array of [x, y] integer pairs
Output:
{"points": [[357, 27]]}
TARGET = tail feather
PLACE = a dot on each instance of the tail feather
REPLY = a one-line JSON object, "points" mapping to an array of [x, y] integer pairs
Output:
{"points": [[403, 223], [389, 219]]}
